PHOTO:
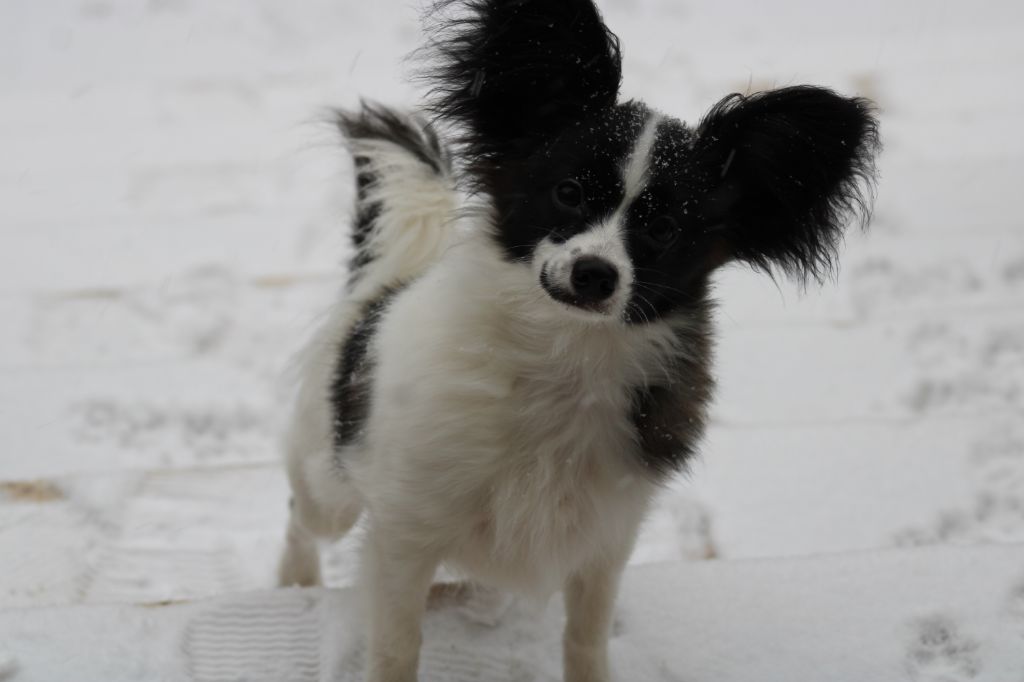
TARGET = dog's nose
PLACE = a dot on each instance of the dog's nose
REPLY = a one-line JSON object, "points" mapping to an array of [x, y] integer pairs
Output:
{"points": [[594, 279]]}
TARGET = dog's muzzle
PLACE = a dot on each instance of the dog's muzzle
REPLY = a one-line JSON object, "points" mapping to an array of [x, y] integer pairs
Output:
{"points": [[590, 283]]}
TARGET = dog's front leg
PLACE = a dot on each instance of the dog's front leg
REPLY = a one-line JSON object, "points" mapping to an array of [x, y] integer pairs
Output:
{"points": [[589, 602], [398, 576]]}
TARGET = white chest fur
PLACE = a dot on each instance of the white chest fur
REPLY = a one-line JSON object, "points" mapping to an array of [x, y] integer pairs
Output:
{"points": [[501, 432]]}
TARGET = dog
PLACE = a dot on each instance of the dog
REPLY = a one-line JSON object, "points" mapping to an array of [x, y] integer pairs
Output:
{"points": [[522, 354]]}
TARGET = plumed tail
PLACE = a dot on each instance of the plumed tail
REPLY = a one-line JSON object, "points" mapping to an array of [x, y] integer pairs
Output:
{"points": [[405, 197]]}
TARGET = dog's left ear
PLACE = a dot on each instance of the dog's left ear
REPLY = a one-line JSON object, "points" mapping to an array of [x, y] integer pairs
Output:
{"points": [[788, 169], [512, 74]]}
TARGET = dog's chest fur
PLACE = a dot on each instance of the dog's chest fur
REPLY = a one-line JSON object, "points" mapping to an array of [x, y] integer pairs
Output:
{"points": [[510, 435]]}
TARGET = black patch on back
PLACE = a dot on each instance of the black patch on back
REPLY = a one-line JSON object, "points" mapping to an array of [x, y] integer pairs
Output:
{"points": [[669, 415], [350, 393]]}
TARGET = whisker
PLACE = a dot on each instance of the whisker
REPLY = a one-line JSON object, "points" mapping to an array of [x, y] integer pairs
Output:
{"points": [[655, 288]]}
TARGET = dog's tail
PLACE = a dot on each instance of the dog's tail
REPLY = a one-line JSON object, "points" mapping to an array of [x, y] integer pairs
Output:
{"points": [[405, 202]]}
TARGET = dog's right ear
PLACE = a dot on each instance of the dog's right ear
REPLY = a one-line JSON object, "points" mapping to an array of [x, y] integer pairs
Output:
{"points": [[511, 74]]}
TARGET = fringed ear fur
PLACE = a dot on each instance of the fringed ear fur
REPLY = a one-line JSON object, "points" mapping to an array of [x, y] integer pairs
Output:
{"points": [[795, 166], [510, 74]]}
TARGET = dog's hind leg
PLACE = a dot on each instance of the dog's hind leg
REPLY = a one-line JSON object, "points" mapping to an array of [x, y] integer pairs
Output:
{"points": [[325, 506], [300, 563]]}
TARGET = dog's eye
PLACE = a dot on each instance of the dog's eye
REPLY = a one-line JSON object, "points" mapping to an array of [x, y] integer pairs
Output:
{"points": [[662, 230], [569, 194]]}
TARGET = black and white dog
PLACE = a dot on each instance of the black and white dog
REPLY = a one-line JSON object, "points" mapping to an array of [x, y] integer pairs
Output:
{"points": [[522, 354]]}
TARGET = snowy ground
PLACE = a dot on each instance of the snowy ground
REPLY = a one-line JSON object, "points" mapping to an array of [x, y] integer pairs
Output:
{"points": [[172, 211]]}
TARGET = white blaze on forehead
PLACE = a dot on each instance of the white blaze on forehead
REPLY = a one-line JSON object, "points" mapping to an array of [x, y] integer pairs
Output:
{"points": [[635, 170]]}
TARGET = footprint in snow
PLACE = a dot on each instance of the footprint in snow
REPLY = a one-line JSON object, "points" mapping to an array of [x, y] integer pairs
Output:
{"points": [[996, 513], [1015, 607], [939, 652]]}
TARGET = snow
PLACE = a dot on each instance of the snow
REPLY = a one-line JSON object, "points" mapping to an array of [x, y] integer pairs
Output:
{"points": [[8, 666], [847, 618], [172, 208]]}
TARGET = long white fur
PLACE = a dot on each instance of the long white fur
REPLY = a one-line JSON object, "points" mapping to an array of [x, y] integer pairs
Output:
{"points": [[498, 441]]}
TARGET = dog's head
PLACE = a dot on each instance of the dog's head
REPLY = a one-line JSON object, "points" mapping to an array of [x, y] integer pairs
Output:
{"points": [[622, 212]]}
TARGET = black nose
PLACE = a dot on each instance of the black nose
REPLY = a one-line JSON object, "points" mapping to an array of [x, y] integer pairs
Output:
{"points": [[594, 279]]}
